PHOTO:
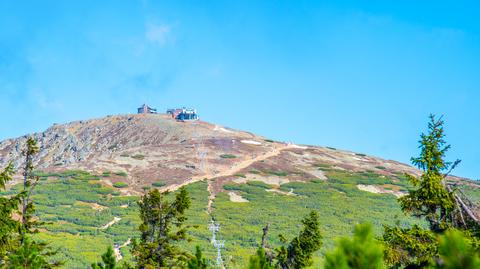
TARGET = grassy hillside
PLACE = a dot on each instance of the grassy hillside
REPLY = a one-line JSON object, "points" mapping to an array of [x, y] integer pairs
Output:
{"points": [[77, 209]]}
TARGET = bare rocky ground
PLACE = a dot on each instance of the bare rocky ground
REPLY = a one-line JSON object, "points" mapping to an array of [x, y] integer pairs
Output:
{"points": [[154, 147]]}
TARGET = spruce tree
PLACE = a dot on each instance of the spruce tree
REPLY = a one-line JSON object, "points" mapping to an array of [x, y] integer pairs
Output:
{"points": [[259, 260], [108, 258], [456, 251], [8, 225], [161, 228], [299, 252], [430, 199], [18, 249], [361, 252], [198, 261]]}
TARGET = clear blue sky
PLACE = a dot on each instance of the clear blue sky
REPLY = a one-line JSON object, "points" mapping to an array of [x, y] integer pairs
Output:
{"points": [[357, 75]]}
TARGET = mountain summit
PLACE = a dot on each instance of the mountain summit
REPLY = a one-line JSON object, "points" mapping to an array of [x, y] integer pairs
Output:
{"points": [[147, 148]]}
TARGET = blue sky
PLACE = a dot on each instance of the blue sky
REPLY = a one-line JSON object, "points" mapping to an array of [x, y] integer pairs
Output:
{"points": [[357, 75]]}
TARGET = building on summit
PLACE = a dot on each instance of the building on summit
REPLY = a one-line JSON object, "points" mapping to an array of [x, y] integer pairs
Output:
{"points": [[183, 114], [145, 109]]}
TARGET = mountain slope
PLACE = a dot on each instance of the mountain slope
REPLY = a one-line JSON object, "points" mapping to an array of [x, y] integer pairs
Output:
{"points": [[150, 148], [241, 180]]}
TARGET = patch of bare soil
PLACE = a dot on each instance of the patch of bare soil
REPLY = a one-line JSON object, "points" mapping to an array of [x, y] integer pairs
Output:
{"points": [[237, 198], [94, 206], [379, 190], [290, 193]]}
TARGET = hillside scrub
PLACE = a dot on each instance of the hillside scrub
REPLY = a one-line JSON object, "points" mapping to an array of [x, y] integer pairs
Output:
{"points": [[120, 184]]}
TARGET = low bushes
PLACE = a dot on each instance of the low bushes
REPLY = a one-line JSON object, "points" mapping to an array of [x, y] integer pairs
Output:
{"points": [[120, 184]]}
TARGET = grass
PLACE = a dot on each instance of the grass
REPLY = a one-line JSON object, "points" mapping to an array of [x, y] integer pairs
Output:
{"points": [[120, 184], [228, 156]]}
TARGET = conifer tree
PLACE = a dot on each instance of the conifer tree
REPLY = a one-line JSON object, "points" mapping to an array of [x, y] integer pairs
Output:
{"points": [[360, 252], [8, 225], [198, 261], [259, 260], [161, 228], [17, 244], [299, 252], [431, 200], [456, 251], [108, 258]]}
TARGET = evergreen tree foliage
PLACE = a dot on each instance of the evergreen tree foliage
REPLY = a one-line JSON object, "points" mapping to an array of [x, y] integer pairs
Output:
{"points": [[8, 225], [259, 260], [361, 252], [30, 180], [31, 255], [109, 261], [198, 261], [298, 253], [17, 248], [456, 251], [161, 228], [409, 247], [430, 199]]}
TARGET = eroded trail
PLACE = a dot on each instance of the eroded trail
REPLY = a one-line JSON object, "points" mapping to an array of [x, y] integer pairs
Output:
{"points": [[116, 250], [106, 226], [233, 169]]}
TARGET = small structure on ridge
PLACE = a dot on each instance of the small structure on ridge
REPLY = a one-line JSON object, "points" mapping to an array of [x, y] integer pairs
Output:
{"points": [[145, 109], [183, 114]]}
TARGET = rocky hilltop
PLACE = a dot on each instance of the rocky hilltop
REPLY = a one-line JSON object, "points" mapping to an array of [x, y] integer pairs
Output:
{"points": [[154, 147]]}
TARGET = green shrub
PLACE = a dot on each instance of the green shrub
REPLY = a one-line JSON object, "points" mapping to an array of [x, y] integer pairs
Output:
{"points": [[269, 140], [121, 174], [228, 156], [240, 175], [381, 167], [361, 154], [277, 173], [158, 184], [106, 174], [120, 184]]}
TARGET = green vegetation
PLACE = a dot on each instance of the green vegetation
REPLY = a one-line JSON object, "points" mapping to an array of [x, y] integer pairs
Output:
{"points": [[158, 184], [108, 260], [228, 156], [162, 226], [361, 251], [120, 184], [121, 174], [18, 247], [106, 174], [269, 140], [72, 209]]}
